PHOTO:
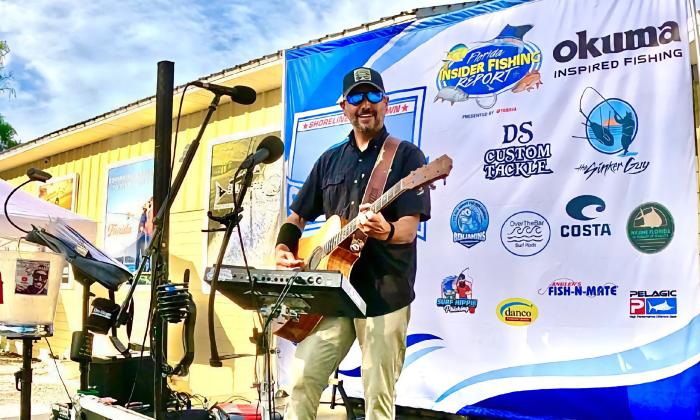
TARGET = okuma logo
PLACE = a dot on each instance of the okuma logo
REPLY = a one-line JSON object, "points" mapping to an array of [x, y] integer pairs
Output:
{"points": [[585, 46], [611, 126], [585, 208], [517, 312], [650, 227], [469, 222], [456, 293], [525, 233], [483, 70]]}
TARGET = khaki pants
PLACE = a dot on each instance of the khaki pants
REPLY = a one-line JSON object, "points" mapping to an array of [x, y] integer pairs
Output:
{"points": [[383, 343]]}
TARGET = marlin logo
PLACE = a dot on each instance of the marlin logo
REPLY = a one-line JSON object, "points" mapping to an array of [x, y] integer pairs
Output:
{"points": [[663, 306]]}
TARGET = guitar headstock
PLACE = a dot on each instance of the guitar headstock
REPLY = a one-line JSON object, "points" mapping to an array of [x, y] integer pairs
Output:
{"points": [[438, 169]]}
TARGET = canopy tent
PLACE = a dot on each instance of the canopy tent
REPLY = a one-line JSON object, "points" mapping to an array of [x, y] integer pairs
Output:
{"points": [[26, 210]]}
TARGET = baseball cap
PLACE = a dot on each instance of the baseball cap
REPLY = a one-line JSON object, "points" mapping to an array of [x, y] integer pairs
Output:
{"points": [[360, 76]]}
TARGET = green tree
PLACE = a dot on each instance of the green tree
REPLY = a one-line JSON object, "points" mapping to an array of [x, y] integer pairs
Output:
{"points": [[8, 135]]}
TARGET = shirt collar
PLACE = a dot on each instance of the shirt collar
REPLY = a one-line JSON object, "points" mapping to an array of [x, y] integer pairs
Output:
{"points": [[378, 140]]}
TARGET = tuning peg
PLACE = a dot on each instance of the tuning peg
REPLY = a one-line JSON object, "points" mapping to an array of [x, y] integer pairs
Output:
{"points": [[432, 186], [444, 181], [420, 191]]}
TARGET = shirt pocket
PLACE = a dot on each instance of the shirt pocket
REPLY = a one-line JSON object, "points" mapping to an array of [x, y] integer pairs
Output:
{"points": [[334, 194]]}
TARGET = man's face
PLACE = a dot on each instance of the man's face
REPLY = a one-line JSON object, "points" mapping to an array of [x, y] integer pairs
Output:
{"points": [[365, 117]]}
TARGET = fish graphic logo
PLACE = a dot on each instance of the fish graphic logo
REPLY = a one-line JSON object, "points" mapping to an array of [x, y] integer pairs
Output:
{"points": [[485, 69]]}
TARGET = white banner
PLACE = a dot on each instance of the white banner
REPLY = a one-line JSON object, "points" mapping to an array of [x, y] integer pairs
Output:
{"points": [[562, 253]]}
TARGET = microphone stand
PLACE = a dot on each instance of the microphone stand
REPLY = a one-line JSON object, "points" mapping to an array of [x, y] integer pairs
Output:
{"points": [[231, 220], [154, 247]]}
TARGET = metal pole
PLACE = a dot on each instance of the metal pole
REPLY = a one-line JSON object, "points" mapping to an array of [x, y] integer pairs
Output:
{"points": [[159, 265], [25, 412], [84, 361]]}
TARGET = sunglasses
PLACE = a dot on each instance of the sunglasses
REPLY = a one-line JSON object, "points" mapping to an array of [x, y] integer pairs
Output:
{"points": [[373, 97]]}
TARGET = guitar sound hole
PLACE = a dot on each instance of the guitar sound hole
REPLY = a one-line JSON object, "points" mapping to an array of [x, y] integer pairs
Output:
{"points": [[315, 258]]}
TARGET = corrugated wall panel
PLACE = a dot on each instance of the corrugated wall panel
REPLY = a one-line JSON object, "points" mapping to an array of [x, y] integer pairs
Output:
{"points": [[90, 162]]}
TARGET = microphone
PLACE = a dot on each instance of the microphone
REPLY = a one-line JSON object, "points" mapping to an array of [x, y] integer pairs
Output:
{"points": [[38, 175], [268, 151], [240, 94]]}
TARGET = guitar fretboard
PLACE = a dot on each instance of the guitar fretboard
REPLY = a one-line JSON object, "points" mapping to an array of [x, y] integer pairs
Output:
{"points": [[350, 228]]}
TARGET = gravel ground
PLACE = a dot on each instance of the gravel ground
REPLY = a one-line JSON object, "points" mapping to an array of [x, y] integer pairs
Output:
{"points": [[46, 385]]}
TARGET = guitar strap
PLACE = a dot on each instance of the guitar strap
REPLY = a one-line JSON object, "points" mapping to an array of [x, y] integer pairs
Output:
{"points": [[377, 180]]}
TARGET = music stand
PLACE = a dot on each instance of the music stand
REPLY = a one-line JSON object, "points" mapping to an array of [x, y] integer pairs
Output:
{"points": [[287, 300]]}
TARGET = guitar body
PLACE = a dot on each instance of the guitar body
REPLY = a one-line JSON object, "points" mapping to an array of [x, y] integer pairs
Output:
{"points": [[340, 259], [339, 238]]}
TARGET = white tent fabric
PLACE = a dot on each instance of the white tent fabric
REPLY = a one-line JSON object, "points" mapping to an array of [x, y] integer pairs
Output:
{"points": [[26, 210]]}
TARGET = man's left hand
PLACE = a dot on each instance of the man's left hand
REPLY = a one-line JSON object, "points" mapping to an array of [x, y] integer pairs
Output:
{"points": [[373, 224]]}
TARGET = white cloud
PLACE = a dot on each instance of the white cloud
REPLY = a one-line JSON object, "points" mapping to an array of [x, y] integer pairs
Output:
{"points": [[73, 59]]}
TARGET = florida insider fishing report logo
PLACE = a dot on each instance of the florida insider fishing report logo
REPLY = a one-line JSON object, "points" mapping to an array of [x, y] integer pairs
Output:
{"points": [[456, 293], [469, 222], [483, 70], [611, 126]]}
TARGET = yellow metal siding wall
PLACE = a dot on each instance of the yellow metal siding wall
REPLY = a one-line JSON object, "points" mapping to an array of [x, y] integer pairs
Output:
{"points": [[234, 326]]}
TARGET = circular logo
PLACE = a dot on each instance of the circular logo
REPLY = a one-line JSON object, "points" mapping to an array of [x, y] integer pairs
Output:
{"points": [[611, 126], [525, 233], [650, 227], [517, 312], [469, 222]]}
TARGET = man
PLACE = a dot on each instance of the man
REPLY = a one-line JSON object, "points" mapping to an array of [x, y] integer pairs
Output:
{"points": [[385, 272]]}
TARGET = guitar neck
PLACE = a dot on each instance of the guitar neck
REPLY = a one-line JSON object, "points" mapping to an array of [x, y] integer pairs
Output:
{"points": [[390, 195]]}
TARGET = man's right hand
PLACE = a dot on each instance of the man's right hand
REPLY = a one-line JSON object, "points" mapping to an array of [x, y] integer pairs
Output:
{"points": [[285, 259]]}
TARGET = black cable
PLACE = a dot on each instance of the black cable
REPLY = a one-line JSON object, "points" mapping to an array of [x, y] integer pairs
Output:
{"points": [[7, 216], [143, 347], [53, 356], [177, 131]]}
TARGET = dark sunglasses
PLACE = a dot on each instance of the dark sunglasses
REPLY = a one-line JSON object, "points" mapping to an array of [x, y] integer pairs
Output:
{"points": [[357, 98]]}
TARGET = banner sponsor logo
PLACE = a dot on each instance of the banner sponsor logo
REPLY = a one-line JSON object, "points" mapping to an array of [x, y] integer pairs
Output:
{"points": [[653, 304], [483, 70], [456, 293], [517, 312], [650, 227], [575, 209], [611, 127], [587, 47], [525, 233], [469, 222], [569, 287], [523, 160]]}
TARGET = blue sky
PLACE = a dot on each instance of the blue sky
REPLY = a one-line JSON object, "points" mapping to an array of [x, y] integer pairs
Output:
{"points": [[74, 59]]}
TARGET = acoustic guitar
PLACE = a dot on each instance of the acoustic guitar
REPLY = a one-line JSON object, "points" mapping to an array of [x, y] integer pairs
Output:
{"points": [[335, 246]]}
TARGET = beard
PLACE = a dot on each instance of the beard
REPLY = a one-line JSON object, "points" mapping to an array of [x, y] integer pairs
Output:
{"points": [[369, 126]]}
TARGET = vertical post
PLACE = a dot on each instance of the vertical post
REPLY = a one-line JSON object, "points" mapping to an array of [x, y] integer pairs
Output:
{"points": [[25, 398], [159, 267], [84, 361]]}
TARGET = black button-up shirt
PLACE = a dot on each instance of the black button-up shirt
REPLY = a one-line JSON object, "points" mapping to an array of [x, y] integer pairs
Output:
{"points": [[385, 273]]}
